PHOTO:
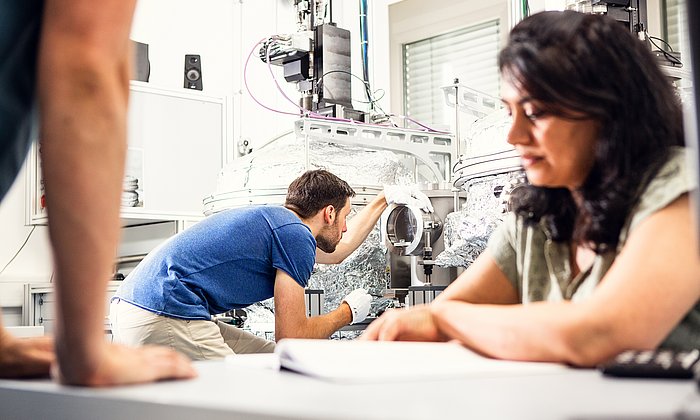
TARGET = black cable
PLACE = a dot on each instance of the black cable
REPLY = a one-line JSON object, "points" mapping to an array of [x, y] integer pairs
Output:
{"points": [[659, 39], [372, 100], [366, 84], [668, 56], [320, 79], [19, 250]]}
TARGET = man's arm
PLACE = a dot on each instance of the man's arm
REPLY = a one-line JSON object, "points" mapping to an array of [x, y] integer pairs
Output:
{"points": [[358, 228], [290, 313], [83, 88]]}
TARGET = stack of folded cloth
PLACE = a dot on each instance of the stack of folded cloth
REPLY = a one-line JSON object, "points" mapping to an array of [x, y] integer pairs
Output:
{"points": [[130, 197]]}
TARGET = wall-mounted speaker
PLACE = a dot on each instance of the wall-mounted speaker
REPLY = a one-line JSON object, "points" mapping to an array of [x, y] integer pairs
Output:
{"points": [[193, 72]]}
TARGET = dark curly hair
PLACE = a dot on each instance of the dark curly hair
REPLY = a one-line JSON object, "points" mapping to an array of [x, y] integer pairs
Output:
{"points": [[316, 189], [590, 65]]}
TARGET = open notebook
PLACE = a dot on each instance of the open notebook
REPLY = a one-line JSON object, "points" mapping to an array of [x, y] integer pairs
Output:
{"points": [[363, 361]]}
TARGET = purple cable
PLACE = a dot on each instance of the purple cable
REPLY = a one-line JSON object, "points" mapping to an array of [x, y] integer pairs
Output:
{"points": [[247, 88], [274, 79]]}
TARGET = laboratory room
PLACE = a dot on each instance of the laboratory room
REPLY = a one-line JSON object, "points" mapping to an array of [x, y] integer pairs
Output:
{"points": [[370, 209]]}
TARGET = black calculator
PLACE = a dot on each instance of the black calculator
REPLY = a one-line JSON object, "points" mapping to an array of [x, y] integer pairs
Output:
{"points": [[660, 364]]}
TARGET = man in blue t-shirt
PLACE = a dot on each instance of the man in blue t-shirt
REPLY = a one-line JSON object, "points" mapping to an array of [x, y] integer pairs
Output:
{"points": [[242, 256], [64, 71]]}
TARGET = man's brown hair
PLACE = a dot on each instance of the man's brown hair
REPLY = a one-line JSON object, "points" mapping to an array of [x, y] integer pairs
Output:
{"points": [[315, 190]]}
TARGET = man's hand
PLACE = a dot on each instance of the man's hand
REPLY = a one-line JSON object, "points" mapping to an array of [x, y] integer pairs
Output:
{"points": [[408, 195], [358, 300], [25, 357], [415, 324], [121, 365]]}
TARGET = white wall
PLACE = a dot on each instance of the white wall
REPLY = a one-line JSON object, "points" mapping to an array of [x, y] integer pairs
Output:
{"points": [[254, 21], [33, 263], [173, 28]]}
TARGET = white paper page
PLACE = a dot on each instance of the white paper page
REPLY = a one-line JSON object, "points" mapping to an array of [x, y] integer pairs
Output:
{"points": [[255, 361], [395, 361]]}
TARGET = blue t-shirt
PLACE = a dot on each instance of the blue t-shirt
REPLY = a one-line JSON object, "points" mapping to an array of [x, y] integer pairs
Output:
{"points": [[228, 260], [20, 25]]}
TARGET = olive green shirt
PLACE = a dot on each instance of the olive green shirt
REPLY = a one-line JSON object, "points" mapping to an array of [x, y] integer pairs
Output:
{"points": [[540, 269]]}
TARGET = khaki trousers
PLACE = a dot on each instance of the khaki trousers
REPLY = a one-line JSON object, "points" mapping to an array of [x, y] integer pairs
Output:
{"points": [[197, 339]]}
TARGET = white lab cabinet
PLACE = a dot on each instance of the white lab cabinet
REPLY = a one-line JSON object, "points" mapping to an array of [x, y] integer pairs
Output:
{"points": [[40, 302], [177, 144], [34, 305]]}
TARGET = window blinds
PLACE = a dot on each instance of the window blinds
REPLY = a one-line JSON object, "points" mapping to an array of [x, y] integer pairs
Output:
{"points": [[469, 54], [675, 24]]}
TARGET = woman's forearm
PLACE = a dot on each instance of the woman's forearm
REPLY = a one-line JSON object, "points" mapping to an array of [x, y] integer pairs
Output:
{"points": [[546, 332]]}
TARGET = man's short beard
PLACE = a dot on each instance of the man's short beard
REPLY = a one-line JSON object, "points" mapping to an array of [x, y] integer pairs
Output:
{"points": [[325, 245]]}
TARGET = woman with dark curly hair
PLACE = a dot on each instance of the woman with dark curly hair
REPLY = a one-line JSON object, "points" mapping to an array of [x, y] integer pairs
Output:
{"points": [[598, 255]]}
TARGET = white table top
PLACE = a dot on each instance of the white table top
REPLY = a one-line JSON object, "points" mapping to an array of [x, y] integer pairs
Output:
{"points": [[228, 391]]}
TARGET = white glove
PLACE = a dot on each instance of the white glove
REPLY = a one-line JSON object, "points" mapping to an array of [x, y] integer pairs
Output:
{"points": [[409, 195], [358, 300]]}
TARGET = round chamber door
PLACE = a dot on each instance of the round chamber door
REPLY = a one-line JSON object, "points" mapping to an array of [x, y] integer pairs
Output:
{"points": [[407, 229]]}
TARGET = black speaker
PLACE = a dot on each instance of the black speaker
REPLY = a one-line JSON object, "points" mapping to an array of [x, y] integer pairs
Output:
{"points": [[193, 72]]}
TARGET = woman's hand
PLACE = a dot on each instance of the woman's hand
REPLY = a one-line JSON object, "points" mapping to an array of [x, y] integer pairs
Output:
{"points": [[415, 324]]}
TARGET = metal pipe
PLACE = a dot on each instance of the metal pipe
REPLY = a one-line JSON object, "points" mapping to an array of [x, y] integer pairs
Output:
{"points": [[457, 126], [455, 202], [130, 259], [364, 47], [312, 15], [307, 158], [308, 99]]}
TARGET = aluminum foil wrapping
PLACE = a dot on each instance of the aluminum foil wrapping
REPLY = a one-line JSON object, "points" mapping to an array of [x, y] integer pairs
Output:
{"points": [[260, 319], [365, 268], [487, 135], [468, 238], [279, 163], [466, 232]]}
